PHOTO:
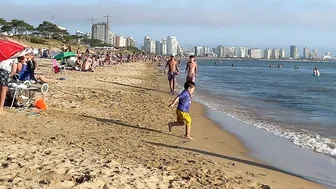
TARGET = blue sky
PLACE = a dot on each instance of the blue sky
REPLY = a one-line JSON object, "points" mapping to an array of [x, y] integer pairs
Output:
{"points": [[250, 23]]}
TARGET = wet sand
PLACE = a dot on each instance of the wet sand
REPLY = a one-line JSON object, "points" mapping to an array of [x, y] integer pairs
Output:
{"points": [[108, 129]]}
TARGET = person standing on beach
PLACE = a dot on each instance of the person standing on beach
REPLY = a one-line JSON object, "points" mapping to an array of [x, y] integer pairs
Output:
{"points": [[191, 69], [173, 71], [182, 111]]}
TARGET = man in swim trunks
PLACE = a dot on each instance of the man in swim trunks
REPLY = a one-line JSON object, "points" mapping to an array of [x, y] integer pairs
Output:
{"points": [[173, 71], [191, 69]]}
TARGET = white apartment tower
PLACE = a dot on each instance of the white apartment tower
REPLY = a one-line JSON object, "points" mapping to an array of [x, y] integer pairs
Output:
{"points": [[158, 48], [147, 40], [164, 46], [172, 45]]}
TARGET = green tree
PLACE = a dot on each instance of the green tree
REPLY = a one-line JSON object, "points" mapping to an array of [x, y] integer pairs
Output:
{"points": [[2, 21], [46, 29], [6, 28], [20, 27]]}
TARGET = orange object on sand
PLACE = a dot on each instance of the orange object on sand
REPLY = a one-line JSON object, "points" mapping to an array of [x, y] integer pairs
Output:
{"points": [[40, 104]]}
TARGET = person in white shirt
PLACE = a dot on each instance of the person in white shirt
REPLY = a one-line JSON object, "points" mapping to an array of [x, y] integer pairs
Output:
{"points": [[8, 69]]}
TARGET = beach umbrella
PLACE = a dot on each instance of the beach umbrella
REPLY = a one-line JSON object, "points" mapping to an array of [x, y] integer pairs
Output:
{"points": [[63, 55], [9, 48]]}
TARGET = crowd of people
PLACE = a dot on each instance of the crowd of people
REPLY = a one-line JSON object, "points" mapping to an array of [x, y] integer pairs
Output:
{"points": [[23, 66]]}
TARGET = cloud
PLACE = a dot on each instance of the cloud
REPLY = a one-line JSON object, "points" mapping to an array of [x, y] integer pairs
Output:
{"points": [[199, 13]]}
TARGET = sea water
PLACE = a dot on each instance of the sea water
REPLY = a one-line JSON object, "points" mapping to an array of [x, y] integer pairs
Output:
{"points": [[291, 103], [285, 116]]}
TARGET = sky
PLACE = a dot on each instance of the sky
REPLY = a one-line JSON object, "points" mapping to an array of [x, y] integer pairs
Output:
{"points": [[249, 23]]}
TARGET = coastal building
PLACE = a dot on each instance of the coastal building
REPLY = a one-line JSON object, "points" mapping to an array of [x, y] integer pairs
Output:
{"points": [[158, 48], [152, 47], [172, 45], [111, 39], [294, 53], [275, 53], [255, 53], [282, 54], [130, 42], [120, 41], [180, 50], [199, 51], [220, 51], [164, 46], [327, 56], [314, 54], [206, 50], [79, 33], [267, 53], [232, 52], [88, 35], [147, 40], [306, 53], [242, 52], [100, 31]]}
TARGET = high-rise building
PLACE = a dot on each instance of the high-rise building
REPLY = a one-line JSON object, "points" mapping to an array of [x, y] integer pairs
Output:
{"points": [[220, 51], [172, 45], [306, 53], [130, 42], [158, 48], [111, 39], [101, 31], [164, 46], [282, 54], [152, 47], [242, 52], [180, 50], [206, 50], [267, 53], [255, 53], [199, 51], [294, 53], [147, 40], [275, 53]]}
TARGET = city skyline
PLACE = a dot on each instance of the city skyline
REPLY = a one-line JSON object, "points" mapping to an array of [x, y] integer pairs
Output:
{"points": [[255, 23]]}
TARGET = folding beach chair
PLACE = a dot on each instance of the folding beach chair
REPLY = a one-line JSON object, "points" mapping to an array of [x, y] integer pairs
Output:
{"points": [[23, 92]]}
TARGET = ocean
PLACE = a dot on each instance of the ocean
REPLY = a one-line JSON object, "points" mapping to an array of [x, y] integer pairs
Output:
{"points": [[290, 103]]}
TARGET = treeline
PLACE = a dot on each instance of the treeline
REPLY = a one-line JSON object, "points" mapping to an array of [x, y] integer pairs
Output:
{"points": [[46, 30]]}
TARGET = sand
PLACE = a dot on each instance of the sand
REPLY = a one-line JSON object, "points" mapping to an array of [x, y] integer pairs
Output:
{"points": [[108, 129]]}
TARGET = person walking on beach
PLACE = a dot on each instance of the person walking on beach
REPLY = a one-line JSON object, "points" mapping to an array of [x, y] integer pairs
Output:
{"points": [[173, 71], [191, 69], [182, 111]]}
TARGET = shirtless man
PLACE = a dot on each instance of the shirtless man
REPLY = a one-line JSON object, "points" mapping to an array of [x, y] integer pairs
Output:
{"points": [[173, 71], [191, 69]]}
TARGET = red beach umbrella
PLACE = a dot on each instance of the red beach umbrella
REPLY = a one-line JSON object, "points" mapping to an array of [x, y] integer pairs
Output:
{"points": [[8, 49]]}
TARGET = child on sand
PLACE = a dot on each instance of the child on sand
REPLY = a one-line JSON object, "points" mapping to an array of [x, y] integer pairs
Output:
{"points": [[182, 111]]}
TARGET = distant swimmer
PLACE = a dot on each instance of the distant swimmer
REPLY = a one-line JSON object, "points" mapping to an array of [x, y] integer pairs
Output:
{"points": [[173, 71], [233, 65], [191, 69], [316, 72], [296, 67]]}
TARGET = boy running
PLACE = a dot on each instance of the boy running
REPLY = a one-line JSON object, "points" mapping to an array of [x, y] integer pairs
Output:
{"points": [[182, 111]]}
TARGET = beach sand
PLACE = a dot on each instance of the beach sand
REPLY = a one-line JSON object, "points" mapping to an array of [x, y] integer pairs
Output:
{"points": [[108, 129]]}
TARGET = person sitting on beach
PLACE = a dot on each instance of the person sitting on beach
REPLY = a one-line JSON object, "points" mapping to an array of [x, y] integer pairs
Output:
{"points": [[182, 111], [173, 71], [26, 70], [191, 69], [87, 64]]}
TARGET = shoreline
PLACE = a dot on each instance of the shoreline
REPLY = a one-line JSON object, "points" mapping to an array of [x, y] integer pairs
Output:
{"points": [[113, 123]]}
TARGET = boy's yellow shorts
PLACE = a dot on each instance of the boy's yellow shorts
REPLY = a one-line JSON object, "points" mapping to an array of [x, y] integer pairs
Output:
{"points": [[183, 117]]}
